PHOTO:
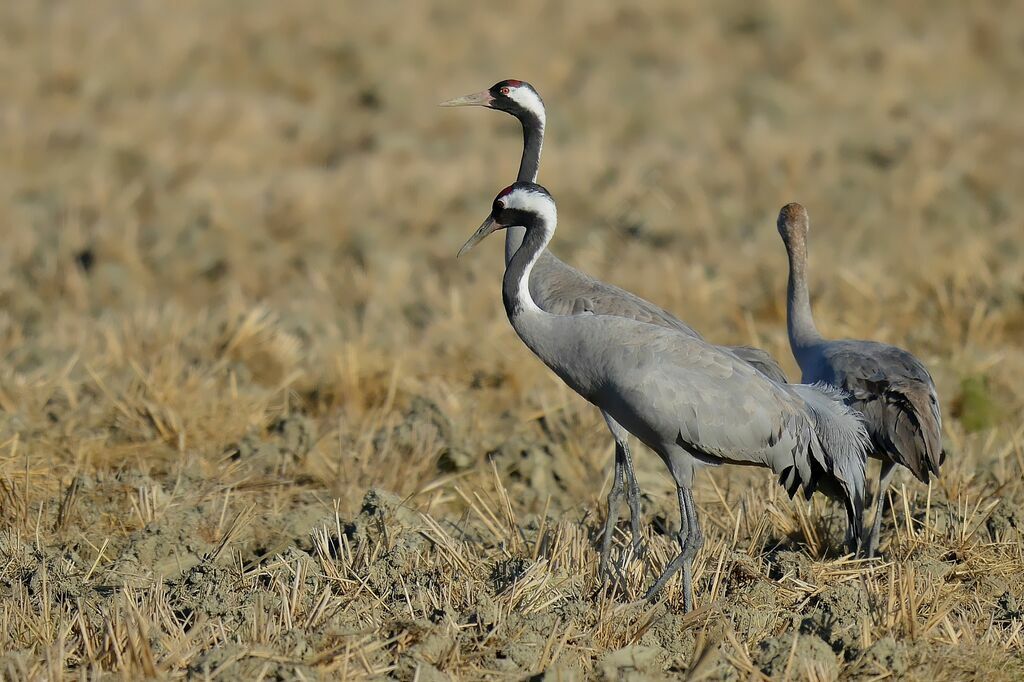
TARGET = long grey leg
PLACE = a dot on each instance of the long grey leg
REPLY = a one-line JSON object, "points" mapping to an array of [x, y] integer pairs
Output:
{"points": [[691, 539], [625, 459], [677, 563], [614, 501], [694, 542], [633, 500], [884, 478]]}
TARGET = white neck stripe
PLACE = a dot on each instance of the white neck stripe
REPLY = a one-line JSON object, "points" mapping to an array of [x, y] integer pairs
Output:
{"points": [[528, 99]]}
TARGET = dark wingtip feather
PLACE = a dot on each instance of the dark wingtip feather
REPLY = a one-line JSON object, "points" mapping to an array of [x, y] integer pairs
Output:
{"points": [[914, 428], [790, 481]]}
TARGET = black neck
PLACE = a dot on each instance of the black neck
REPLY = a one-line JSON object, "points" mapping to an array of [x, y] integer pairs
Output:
{"points": [[515, 288], [533, 140]]}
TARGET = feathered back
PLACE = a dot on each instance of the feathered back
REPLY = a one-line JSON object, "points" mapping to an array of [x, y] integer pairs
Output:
{"points": [[760, 360]]}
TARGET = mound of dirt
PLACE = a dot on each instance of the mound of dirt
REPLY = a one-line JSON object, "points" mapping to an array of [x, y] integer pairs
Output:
{"points": [[284, 443], [884, 657], [41, 575], [210, 591], [1006, 521], [789, 564], [797, 655], [633, 664], [165, 547], [837, 615], [755, 608]]}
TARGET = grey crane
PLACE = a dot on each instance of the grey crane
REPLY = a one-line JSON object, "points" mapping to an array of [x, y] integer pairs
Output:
{"points": [[691, 402], [563, 290], [887, 385]]}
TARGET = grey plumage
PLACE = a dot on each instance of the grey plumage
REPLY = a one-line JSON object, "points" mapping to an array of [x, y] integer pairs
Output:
{"points": [[896, 395], [842, 434], [691, 402], [888, 386], [556, 286], [560, 289]]}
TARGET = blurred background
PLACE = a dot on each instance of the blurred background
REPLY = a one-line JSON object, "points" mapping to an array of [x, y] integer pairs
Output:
{"points": [[229, 232]]}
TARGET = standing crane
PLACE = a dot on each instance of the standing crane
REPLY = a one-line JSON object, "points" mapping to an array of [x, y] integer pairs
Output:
{"points": [[560, 289], [887, 385], [693, 403]]}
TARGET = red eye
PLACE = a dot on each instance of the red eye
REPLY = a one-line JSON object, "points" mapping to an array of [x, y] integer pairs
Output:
{"points": [[505, 91]]}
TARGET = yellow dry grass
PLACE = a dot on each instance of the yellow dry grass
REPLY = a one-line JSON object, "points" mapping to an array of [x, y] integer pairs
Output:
{"points": [[229, 307]]}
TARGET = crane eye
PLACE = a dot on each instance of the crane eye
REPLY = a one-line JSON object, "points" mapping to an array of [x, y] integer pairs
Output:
{"points": [[505, 90], [498, 206]]}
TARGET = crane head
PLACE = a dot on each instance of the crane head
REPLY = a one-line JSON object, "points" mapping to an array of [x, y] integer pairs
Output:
{"points": [[515, 97], [793, 223], [523, 204]]}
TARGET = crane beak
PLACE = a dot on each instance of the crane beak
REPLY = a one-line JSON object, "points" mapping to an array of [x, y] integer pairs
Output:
{"points": [[488, 227], [477, 99]]}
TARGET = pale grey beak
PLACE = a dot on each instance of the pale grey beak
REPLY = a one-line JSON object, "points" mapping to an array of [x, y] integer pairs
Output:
{"points": [[488, 227], [477, 99]]}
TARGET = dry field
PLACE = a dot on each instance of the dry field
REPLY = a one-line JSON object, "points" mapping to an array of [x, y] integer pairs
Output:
{"points": [[256, 421]]}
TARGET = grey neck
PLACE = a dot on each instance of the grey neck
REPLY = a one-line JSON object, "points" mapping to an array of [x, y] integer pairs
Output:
{"points": [[529, 166], [513, 239], [803, 334]]}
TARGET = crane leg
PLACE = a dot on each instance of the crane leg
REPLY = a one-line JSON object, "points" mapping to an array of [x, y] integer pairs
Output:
{"points": [[614, 501], [853, 542], [633, 500], [694, 543], [884, 478], [691, 539]]}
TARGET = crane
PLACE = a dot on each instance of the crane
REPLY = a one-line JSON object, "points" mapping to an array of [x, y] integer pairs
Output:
{"points": [[890, 387], [693, 403], [561, 289]]}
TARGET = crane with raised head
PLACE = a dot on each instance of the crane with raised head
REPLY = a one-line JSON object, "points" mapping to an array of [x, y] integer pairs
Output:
{"points": [[890, 387], [563, 290], [693, 403]]}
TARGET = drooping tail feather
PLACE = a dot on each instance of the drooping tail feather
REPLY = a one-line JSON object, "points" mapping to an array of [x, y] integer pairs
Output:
{"points": [[838, 449], [914, 426]]}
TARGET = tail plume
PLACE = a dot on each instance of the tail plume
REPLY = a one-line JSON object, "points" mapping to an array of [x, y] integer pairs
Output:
{"points": [[839, 447]]}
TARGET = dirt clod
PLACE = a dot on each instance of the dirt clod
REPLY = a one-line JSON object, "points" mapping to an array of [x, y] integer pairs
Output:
{"points": [[837, 616], [633, 663], [885, 657], [797, 654]]}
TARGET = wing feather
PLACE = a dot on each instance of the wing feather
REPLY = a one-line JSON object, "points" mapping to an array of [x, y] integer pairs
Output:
{"points": [[897, 397]]}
